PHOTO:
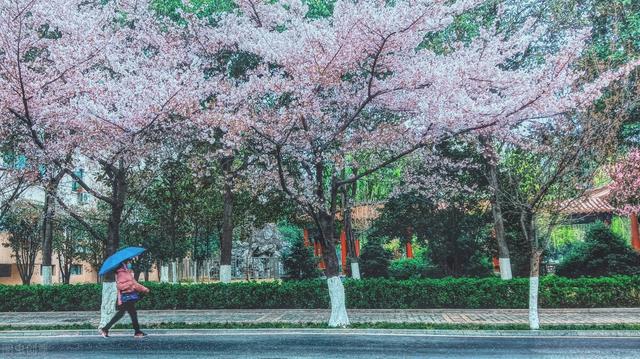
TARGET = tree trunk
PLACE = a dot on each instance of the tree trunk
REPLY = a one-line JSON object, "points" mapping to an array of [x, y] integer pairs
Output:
{"points": [[64, 266], [174, 271], [528, 228], [352, 252], [26, 259], [226, 239], [339, 317], [163, 272], [47, 234], [498, 224], [534, 283], [109, 301], [25, 278], [66, 277], [118, 196]]}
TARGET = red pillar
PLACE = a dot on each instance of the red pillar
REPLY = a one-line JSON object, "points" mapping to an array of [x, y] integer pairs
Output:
{"points": [[317, 250], [305, 235], [409, 250], [343, 250], [408, 245], [496, 264], [635, 237], [321, 264], [357, 248]]}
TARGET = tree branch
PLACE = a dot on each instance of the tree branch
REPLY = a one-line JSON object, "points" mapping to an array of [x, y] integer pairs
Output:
{"points": [[79, 219], [87, 188]]}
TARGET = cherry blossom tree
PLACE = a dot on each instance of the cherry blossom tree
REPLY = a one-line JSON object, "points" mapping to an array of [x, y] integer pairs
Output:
{"points": [[624, 188], [145, 85], [625, 183], [329, 88], [96, 86], [45, 46], [219, 141]]}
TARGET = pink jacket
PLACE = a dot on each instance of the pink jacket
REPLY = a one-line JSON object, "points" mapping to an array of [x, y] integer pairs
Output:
{"points": [[126, 283]]}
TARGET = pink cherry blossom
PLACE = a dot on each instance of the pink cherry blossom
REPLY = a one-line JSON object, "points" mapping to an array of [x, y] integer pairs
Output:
{"points": [[625, 183]]}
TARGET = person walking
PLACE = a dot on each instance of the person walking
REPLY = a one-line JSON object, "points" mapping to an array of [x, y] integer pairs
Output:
{"points": [[129, 291]]}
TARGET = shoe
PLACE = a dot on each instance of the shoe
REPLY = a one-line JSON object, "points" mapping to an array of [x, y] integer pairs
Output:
{"points": [[140, 335], [103, 333]]}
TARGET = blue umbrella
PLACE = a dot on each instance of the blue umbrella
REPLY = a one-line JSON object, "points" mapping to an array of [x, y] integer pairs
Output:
{"points": [[118, 257]]}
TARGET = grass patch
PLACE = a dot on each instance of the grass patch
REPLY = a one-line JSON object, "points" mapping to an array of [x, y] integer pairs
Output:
{"points": [[380, 325]]}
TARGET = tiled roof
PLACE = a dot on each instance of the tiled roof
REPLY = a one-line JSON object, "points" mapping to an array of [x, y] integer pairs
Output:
{"points": [[591, 202]]}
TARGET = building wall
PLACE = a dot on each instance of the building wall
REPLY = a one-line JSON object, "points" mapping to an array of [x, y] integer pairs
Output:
{"points": [[88, 275]]}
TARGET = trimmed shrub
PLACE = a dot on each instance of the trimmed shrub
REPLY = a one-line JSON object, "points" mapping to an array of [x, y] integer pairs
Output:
{"points": [[602, 253], [407, 268], [555, 292], [374, 261], [414, 268], [299, 262]]}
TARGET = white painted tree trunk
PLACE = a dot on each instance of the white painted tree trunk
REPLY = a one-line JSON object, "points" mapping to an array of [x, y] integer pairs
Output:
{"points": [[355, 270], [164, 274], [109, 301], [195, 273], [339, 317], [47, 275], [505, 268], [534, 321], [174, 272], [225, 273]]}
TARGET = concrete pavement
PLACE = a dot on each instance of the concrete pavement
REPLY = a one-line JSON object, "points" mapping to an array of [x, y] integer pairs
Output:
{"points": [[596, 316]]}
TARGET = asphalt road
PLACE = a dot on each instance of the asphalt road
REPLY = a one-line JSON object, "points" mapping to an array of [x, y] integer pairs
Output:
{"points": [[316, 345]]}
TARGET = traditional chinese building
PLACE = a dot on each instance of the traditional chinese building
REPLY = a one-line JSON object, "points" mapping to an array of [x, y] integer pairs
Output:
{"points": [[594, 205]]}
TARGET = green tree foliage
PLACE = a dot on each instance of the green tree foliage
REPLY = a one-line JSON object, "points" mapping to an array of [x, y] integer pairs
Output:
{"points": [[67, 239], [23, 225], [453, 224], [413, 268], [299, 261], [602, 253], [374, 261]]}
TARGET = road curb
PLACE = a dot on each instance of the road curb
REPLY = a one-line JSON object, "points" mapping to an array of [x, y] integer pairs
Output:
{"points": [[354, 332]]}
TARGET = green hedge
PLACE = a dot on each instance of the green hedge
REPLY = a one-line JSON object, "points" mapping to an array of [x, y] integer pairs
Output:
{"points": [[555, 292]]}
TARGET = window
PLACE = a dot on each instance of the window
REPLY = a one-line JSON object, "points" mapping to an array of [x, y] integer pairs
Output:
{"points": [[17, 161], [5, 270], [76, 269], [82, 197], [75, 185]]}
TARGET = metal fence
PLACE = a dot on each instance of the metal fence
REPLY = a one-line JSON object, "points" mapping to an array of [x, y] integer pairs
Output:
{"points": [[187, 270]]}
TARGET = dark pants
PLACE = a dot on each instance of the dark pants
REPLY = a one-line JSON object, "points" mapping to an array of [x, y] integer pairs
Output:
{"points": [[129, 307]]}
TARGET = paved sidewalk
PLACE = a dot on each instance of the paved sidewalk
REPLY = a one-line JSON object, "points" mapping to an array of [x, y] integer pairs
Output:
{"points": [[435, 316]]}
